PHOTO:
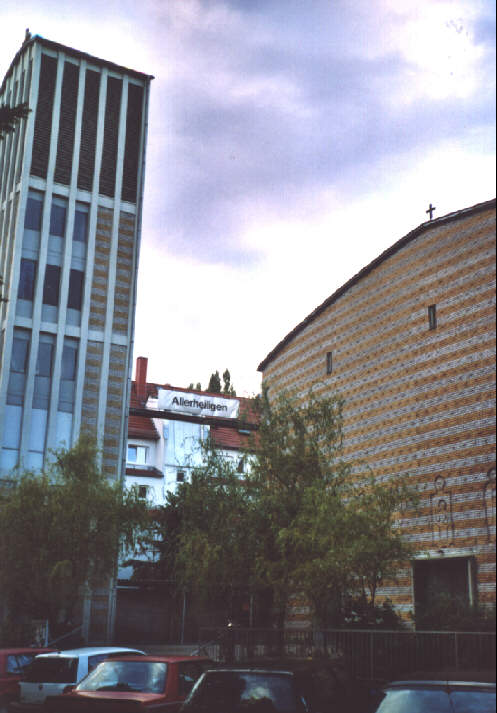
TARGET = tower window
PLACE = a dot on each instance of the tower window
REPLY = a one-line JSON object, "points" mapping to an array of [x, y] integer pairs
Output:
{"points": [[32, 219], [432, 316], [58, 219], [51, 285], [80, 231], [75, 295], [329, 362], [27, 279]]}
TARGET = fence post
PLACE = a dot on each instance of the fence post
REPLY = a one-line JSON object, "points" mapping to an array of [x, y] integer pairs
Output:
{"points": [[371, 654], [456, 650]]}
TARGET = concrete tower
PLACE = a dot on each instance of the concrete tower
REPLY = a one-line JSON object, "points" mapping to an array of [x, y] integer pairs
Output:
{"points": [[71, 182]]}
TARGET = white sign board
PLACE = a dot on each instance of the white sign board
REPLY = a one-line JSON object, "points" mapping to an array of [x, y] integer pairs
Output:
{"points": [[197, 404]]}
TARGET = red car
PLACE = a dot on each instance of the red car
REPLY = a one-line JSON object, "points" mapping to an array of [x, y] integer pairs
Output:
{"points": [[12, 664], [134, 683]]}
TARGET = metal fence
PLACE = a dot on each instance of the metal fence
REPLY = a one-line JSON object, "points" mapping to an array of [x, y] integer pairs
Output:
{"points": [[378, 655]]}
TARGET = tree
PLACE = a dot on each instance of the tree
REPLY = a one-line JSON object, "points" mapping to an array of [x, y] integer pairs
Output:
{"points": [[60, 532], [227, 387], [10, 117], [301, 521], [214, 385]]}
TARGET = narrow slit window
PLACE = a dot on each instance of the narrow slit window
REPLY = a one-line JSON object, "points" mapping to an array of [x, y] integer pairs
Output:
{"points": [[432, 316], [329, 362]]}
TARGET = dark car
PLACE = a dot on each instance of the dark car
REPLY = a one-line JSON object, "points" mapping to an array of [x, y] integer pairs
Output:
{"points": [[12, 664], [134, 683], [436, 697], [247, 690]]}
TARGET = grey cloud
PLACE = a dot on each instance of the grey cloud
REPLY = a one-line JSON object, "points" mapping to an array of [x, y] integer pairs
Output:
{"points": [[230, 157]]}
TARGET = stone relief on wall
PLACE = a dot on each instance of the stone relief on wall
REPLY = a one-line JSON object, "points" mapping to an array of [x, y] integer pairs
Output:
{"points": [[442, 523], [489, 503]]}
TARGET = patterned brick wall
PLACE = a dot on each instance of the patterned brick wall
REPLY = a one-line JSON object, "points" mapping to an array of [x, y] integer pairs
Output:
{"points": [[419, 401], [114, 409], [98, 304], [124, 273], [93, 372]]}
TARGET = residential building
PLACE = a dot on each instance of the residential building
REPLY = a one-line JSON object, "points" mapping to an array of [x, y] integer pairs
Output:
{"points": [[409, 342], [162, 452], [71, 182]]}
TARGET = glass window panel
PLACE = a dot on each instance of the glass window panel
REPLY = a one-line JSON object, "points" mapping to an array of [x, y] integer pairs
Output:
{"points": [[473, 701], [32, 219], [132, 452], [44, 365], [80, 225], [27, 279], [69, 354], [57, 219], [75, 295], [19, 357], [51, 285]]}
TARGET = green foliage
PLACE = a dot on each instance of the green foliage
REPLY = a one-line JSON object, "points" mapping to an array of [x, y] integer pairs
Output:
{"points": [[10, 116], [214, 385], [446, 612], [227, 387], [61, 531], [298, 522]]}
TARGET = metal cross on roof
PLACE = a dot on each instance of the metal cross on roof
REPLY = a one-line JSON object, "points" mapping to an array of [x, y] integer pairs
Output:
{"points": [[430, 210]]}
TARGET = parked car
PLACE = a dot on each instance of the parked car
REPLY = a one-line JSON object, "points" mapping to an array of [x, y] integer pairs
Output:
{"points": [[12, 664], [49, 674], [247, 690], [436, 697], [135, 683]]}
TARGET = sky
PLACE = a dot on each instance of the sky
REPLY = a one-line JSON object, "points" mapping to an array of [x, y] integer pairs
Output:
{"points": [[290, 142]]}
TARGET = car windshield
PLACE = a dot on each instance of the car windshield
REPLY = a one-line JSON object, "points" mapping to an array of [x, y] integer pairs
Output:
{"points": [[473, 701], [134, 676], [415, 701], [54, 669], [234, 692]]}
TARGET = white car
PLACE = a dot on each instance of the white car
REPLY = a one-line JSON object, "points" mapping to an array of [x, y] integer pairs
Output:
{"points": [[49, 674]]}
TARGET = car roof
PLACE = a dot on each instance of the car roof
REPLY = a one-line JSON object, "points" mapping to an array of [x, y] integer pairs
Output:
{"points": [[91, 651], [265, 671], [162, 659], [434, 684]]}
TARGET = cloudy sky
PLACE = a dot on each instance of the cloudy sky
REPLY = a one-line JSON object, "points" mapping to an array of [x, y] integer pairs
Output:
{"points": [[290, 142]]}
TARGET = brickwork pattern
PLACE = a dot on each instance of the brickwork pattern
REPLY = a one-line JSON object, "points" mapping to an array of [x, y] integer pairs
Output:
{"points": [[98, 302], [418, 401], [113, 412], [93, 372], [124, 273]]}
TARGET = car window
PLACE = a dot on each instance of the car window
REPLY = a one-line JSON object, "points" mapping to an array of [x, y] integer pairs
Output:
{"points": [[142, 676], [473, 701], [415, 701], [232, 692], [188, 672], [57, 669], [93, 661]]}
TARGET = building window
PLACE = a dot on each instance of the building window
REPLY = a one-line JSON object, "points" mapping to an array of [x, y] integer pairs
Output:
{"points": [[440, 581], [27, 279], [142, 491], [137, 454], [68, 375], [432, 316], [57, 219], [32, 219], [51, 285], [43, 377], [241, 465], [329, 362], [80, 232], [18, 367], [75, 295], [180, 476]]}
